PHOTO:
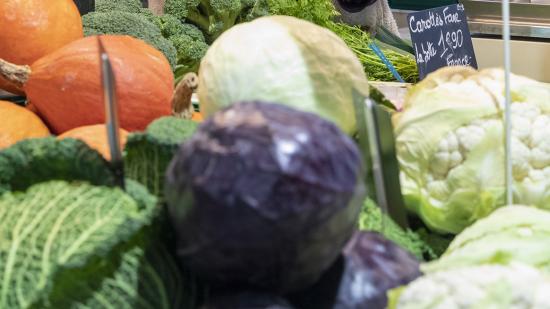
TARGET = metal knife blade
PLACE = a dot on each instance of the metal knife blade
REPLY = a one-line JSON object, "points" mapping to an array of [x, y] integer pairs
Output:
{"points": [[111, 113]]}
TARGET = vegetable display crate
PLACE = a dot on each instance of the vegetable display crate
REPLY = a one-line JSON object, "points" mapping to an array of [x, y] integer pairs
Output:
{"points": [[393, 91]]}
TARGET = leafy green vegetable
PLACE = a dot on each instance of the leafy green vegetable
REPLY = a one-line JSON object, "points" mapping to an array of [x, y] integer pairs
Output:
{"points": [[436, 244], [322, 13], [74, 245], [371, 220], [489, 286], [36, 160], [132, 24], [286, 60], [147, 154], [56, 226], [510, 234], [421, 243], [131, 6], [359, 40]]}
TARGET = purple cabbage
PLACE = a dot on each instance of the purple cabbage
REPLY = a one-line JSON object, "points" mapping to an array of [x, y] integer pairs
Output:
{"points": [[369, 266], [264, 196]]}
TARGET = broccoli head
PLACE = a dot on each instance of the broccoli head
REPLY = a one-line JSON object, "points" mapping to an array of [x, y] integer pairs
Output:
{"points": [[131, 6], [170, 26], [194, 32], [213, 17], [190, 53], [188, 40], [148, 154], [136, 25], [148, 14]]}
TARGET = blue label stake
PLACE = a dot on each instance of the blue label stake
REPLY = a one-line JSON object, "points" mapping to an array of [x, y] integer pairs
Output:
{"points": [[388, 64]]}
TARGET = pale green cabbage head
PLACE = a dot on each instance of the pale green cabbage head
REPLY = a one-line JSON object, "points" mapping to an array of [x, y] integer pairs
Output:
{"points": [[450, 146], [285, 60], [514, 286], [510, 234]]}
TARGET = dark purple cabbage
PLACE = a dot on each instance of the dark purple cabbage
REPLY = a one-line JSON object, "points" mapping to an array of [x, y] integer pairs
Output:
{"points": [[369, 266], [264, 196], [247, 300]]}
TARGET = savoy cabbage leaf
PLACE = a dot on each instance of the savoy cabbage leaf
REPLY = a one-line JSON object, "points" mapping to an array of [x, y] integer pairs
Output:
{"points": [[35, 160], [74, 245], [148, 154]]}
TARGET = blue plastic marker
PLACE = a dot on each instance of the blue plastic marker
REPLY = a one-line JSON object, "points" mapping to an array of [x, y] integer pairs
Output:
{"points": [[388, 64]]}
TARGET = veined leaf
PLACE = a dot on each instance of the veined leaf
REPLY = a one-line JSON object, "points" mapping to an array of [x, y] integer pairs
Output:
{"points": [[57, 234]]}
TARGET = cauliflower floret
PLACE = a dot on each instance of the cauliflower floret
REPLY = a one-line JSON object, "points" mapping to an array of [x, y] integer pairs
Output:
{"points": [[530, 143]]}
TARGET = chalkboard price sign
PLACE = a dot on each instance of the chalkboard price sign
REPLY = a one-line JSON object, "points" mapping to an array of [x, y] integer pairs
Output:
{"points": [[440, 38]]}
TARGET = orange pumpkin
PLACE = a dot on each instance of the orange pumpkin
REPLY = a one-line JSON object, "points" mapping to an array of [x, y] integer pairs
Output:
{"points": [[34, 28], [95, 136], [65, 86], [197, 117], [18, 124]]}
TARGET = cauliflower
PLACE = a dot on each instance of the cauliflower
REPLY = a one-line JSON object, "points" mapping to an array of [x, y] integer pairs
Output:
{"points": [[449, 141], [483, 287]]}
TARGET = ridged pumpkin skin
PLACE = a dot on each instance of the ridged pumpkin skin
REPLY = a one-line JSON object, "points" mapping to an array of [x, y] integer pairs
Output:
{"points": [[95, 136], [18, 123], [65, 86], [34, 28]]}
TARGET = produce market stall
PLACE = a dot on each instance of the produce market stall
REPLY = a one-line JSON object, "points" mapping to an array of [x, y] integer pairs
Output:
{"points": [[228, 154]]}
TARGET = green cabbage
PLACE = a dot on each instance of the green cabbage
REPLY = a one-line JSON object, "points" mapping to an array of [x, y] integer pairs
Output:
{"points": [[74, 245], [35, 160], [515, 286], [510, 234], [147, 154], [285, 60], [449, 142]]}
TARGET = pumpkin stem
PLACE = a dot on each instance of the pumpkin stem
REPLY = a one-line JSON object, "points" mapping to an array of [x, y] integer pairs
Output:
{"points": [[16, 74], [157, 6], [181, 103]]}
